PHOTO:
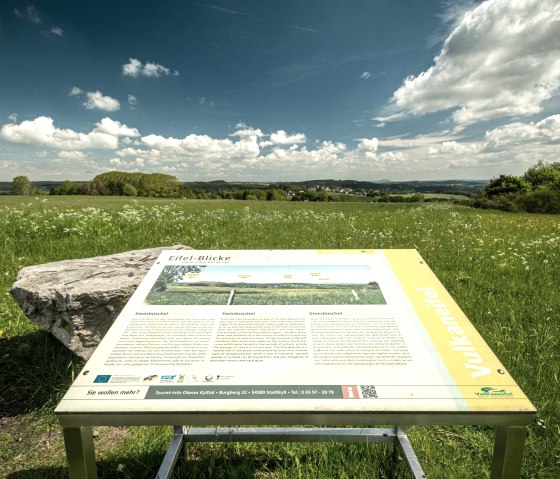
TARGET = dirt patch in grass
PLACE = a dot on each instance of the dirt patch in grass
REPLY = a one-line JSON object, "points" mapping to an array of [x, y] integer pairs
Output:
{"points": [[14, 399]]}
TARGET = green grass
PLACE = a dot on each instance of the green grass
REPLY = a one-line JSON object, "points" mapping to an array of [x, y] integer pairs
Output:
{"points": [[502, 269]]}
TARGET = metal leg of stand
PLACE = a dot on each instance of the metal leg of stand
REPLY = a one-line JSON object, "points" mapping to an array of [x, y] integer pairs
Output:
{"points": [[80, 454], [408, 453], [508, 452], [290, 434], [172, 454]]}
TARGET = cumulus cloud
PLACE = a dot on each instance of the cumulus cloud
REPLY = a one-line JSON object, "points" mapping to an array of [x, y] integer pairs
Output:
{"points": [[327, 155], [368, 144], [247, 132], [203, 146], [509, 148], [132, 100], [210, 156], [73, 155], [41, 132], [115, 128], [545, 132], [280, 137], [453, 148], [502, 59], [134, 68], [127, 165], [95, 100]]}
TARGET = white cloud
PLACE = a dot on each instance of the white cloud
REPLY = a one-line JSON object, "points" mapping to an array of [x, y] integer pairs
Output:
{"points": [[154, 70], [128, 165], [453, 148], [507, 149], [13, 166], [207, 157], [203, 147], [41, 132], [282, 138], [124, 152], [502, 59], [545, 132], [247, 132], [73, 155], [13, 117], [370, 145], [326, 156], [97, 101], [365, 76], [115, 128], [57, 31], [392, 159], [132, 100], [510, 148], [135, 68], [30, 13], [419, 141]]}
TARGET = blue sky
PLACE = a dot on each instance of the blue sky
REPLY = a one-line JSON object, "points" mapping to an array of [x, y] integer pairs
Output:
{"points": [[270, 91]]}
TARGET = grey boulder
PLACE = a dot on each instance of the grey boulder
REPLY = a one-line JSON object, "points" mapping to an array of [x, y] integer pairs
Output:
{"points": [[77, 300]]}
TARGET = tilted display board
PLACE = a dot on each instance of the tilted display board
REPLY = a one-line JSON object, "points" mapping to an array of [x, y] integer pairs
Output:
{"points": [[278, 336], [289, 331]]}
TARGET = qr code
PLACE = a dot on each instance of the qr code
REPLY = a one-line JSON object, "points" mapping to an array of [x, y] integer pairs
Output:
{"points": [[368, 392]]}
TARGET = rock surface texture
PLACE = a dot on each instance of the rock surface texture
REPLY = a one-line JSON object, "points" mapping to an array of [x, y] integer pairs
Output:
{"points": [[78, 300]]}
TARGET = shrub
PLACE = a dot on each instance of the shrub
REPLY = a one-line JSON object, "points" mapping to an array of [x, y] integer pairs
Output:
{"points": [[129, 190], [542, 201], [506, 184]]}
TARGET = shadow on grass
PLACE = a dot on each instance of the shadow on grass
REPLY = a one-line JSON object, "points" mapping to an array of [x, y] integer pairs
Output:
{"points": [[36, 371], [225, 463], [40, 473], [147, 465]]}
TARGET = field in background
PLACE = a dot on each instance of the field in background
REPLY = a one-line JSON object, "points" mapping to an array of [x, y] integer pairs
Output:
{"points": [[240, 294], [502, 269]]}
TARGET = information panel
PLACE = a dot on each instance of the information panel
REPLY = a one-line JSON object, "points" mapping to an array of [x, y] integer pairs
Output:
{"points": [[292, 330]]}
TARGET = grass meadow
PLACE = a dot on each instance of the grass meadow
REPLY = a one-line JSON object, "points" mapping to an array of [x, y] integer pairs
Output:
{"points": [[502, 269], [254, 295]]}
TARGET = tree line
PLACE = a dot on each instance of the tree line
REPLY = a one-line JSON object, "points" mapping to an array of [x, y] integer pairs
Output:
{"points": [[119, 183], [536, 191]]}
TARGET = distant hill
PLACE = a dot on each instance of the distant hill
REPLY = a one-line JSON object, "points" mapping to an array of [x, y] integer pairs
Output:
{"points": [[465, 187], [387, 186]]}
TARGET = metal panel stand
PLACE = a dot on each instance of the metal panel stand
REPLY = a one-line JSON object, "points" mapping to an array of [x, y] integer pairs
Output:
{"points": [[508, 452], [289, 434], [172, 454], [80, 453]]}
